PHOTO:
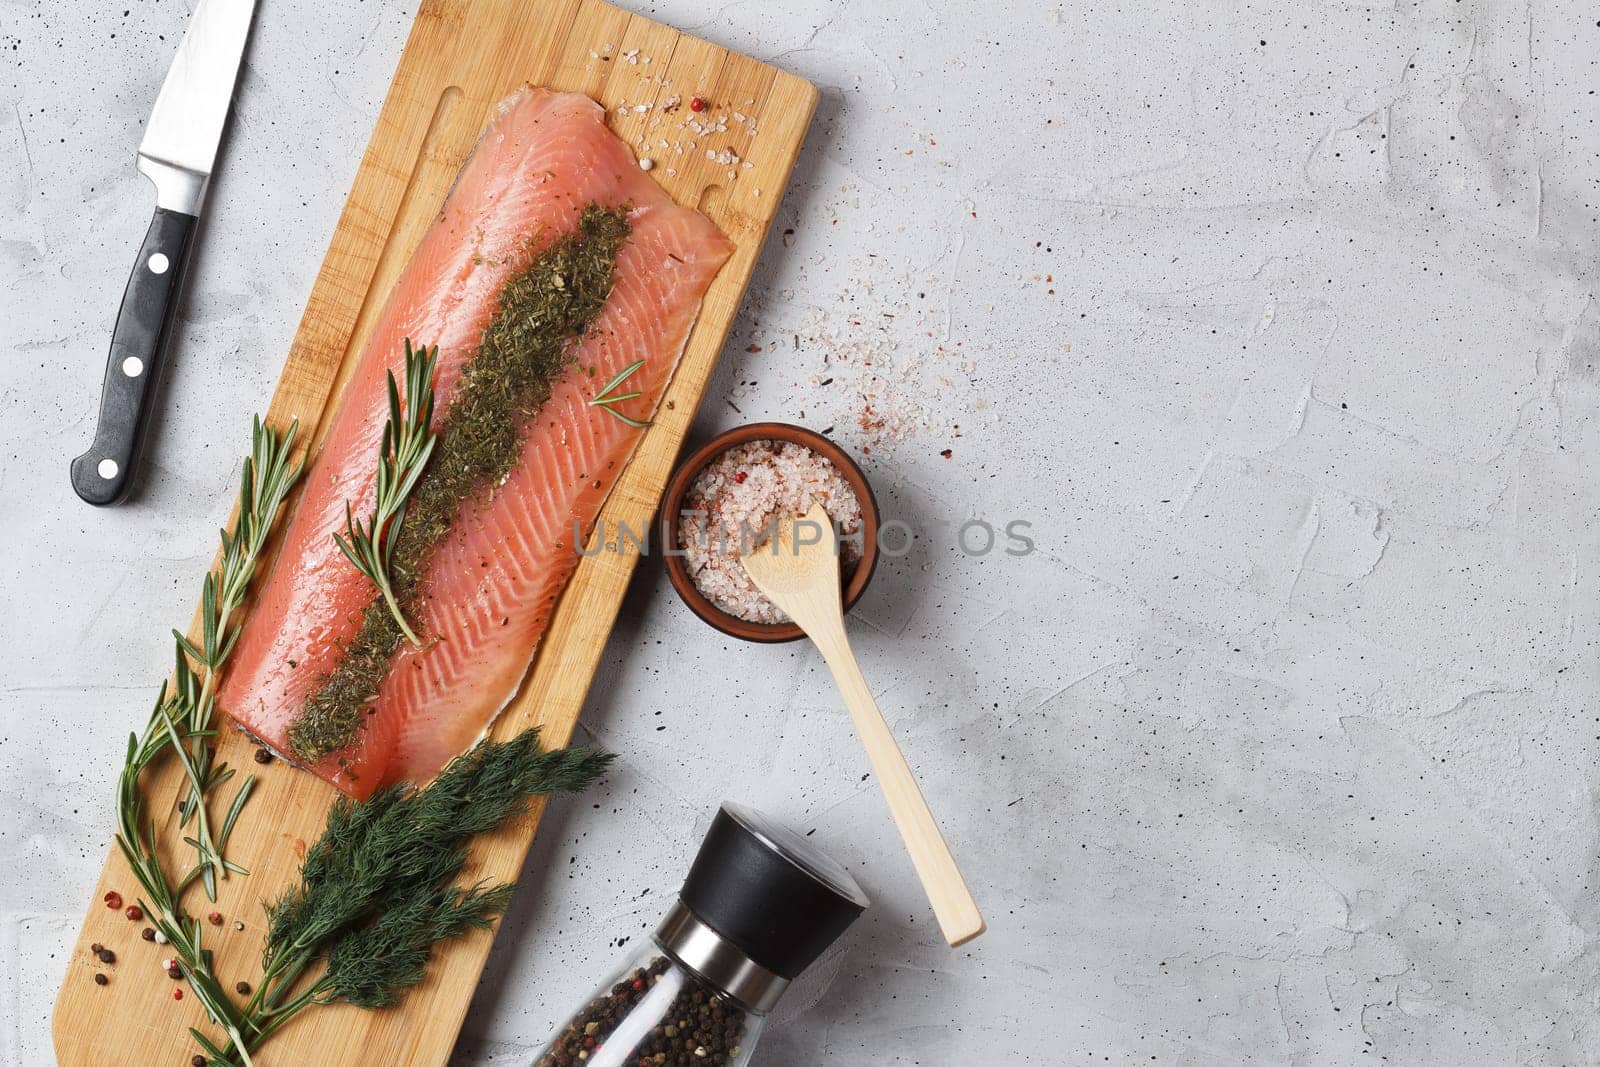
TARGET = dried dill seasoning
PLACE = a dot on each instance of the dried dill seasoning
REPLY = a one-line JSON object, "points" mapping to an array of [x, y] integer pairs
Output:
{"points": [[543, 310]]}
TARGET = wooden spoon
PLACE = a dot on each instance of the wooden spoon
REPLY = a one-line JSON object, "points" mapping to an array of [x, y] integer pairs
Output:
{"points": [[798, 570]]}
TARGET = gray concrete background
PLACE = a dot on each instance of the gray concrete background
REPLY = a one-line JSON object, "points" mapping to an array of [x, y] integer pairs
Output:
{"points": [[1276, 320]]}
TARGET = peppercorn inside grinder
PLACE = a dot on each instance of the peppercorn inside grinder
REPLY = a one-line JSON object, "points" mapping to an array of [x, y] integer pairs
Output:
{"points": [[759, 906]]}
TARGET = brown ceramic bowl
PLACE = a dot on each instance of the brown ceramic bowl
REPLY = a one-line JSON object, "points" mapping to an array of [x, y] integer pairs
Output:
{"points": [[672, 508]]}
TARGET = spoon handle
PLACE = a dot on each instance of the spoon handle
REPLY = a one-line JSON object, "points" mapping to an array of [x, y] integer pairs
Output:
{"points": [[941, 879]]}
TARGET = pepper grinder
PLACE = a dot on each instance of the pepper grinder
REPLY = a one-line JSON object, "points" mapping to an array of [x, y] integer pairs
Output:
{"points": [[759, 906]]}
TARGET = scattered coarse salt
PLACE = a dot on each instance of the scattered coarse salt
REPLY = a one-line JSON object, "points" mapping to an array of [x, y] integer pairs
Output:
{"points": [[736, 502]]}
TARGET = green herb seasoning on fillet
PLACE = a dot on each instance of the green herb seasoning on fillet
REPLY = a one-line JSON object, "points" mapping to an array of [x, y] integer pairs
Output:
{"points": [[528, 344]]}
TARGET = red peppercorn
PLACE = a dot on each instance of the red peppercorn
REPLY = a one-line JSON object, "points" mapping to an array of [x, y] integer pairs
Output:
{"points": [[177, 994], [113, 900], [134, 913], [697, 104], [741, 476], [215, 918]]}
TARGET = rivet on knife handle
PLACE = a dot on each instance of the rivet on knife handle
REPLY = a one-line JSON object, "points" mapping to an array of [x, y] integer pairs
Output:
{"points": [[105, 473]]}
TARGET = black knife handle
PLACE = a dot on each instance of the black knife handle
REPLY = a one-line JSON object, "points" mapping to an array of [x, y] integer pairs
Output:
{"points": [[104, 474]]}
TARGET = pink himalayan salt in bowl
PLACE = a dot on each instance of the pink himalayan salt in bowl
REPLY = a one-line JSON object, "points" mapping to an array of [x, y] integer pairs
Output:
{"points": [[725, 498]]}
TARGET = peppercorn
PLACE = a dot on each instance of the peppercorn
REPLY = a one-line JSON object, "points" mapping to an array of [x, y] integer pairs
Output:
{"points": [[697, 1028], [177, 994], [134, 913], [215, 918], [100, 979], [197, 1060], [264, 755], [242, 988], [105, 955], [148, 934], [113, 900], [697, 104], [174, 972]]}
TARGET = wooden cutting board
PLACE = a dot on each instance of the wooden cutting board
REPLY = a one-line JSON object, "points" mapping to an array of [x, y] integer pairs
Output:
{"points": [[461, 58]]}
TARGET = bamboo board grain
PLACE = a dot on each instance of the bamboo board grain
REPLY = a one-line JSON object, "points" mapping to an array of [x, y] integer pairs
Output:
{"points": [[461, 57]]}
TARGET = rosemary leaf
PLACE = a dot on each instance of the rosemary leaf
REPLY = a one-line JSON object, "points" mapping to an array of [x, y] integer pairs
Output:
{"points": [[609, 401], [408, 441]]}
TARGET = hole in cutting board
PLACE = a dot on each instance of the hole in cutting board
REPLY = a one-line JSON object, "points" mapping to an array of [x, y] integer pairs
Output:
{"points": [[713, 198]]}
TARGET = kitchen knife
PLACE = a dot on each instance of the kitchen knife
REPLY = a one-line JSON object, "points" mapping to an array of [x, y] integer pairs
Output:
{"points": [[177, 154]]}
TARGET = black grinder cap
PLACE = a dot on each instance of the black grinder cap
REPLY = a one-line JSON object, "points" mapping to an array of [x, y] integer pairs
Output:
{"points": [[770, 892]]}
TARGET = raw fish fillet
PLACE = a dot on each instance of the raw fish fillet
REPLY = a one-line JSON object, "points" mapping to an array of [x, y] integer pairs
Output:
{"points": [[489, 589]]}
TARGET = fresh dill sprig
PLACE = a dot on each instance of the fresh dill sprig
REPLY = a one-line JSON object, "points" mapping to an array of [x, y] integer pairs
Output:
{"points": [[408, 441], [609, 401], [377, 891], [181, 723]]}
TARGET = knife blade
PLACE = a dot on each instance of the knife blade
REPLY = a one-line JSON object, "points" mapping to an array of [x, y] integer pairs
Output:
{"points": [[178, 153]]}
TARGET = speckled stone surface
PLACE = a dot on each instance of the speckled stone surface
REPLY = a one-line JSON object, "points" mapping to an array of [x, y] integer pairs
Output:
{"points": [[1276, 321]]}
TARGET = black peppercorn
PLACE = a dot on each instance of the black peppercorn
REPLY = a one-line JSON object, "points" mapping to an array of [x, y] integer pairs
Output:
{"points": [[242, 988], [101, 979], [699, 1028]]}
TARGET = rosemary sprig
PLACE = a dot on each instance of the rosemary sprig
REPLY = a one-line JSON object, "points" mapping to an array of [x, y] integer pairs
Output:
{"points": [[267, 477], [609, 401], [408, 441], [377, 891], [181, 723]]}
